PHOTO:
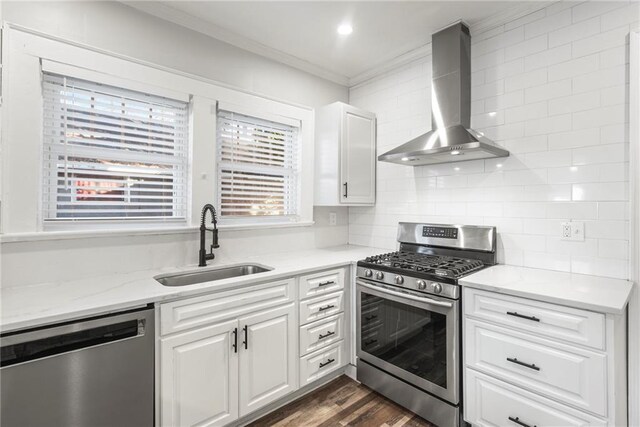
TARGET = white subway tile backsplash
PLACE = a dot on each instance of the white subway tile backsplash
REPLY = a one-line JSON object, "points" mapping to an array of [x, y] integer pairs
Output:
{"points": [[548, 24], [547, 57], [552, 88], [590, 9], [573, 139], [574, 32], [600, 191], [600, 42], [575, 67], [527, 47]]}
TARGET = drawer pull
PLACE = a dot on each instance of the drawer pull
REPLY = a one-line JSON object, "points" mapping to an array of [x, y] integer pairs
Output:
{"points": [[517, 421], [369, 342], [328, 282], [526, 365], [328, 334], [522, 316], [328, 362], [369, 318], [326, 307]]}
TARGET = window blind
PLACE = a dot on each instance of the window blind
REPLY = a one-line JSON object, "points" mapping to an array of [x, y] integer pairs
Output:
{"points": [[257, 167], [112, 153]]}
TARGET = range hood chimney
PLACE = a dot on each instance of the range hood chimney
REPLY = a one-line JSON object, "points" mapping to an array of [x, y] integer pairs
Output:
{"points": [[451, 139]]}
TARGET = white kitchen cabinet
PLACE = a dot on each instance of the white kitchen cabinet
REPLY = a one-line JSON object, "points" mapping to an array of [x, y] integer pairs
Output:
{"points": [[199, 377], [345, 156], [267, 357], [541, 364], [216, 372]]}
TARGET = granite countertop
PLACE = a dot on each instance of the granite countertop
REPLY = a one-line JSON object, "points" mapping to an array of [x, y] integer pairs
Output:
{"points": [[601, 294], [35, 305]]}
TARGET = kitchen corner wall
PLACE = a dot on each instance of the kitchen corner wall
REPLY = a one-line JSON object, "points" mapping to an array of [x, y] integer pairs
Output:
{"points": [[551, 87]]}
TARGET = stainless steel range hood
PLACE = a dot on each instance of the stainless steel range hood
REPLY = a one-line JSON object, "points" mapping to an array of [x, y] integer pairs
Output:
{"points": [[451, 139]]}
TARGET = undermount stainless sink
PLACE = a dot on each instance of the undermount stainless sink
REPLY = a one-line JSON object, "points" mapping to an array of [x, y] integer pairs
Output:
{"points": [[195, 277]]}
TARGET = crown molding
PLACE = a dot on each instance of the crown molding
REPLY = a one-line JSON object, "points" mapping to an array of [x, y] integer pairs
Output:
{"points": [[167, 13], [194, 23]]}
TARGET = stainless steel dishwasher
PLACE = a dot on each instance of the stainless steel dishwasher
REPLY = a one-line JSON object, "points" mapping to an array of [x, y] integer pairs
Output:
{"points": [[93, 372]]}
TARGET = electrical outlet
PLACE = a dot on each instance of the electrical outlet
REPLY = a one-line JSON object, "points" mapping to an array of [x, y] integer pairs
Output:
{"points": [[573, 231], [333, 218]]}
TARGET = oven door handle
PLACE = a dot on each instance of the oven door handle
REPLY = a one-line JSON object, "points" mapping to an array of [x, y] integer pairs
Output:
{"points": [[408, 296]]}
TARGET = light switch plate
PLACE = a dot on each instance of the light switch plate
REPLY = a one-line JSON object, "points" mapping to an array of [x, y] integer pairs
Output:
{"points": [[572, 231]]}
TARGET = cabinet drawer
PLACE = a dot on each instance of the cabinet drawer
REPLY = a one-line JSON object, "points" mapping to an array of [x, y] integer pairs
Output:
{"points": [[490, 402], [322, 362], [554, 321], [569, 374], [319, 334], [321, 283], [321, 307], [192, 312]]}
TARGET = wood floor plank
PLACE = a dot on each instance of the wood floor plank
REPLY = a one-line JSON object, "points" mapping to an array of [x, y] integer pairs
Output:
{"points": [[342, 402]]}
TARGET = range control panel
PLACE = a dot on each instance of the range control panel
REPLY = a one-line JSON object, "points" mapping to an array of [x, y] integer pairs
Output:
{"points": [[440, 232]]}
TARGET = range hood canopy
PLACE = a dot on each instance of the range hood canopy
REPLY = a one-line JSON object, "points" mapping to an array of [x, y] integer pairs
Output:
{"points": [[451, 139]]}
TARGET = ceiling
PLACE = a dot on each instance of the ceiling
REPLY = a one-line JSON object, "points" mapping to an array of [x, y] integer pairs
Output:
{"points": [[303, 33]]}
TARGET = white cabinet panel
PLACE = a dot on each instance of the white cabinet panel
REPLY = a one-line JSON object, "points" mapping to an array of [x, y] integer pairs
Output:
{"points": [[320, 283], [321, 333], [199, 377], [550, 320], [492, 403], [199, 311], [572, 375], [357, 156], [316, 365], [268, 356], [345, 156], [321, 307]]}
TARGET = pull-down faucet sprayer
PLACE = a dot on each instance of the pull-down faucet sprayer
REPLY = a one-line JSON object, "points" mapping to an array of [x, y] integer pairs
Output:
{"points": [[203, 255]]}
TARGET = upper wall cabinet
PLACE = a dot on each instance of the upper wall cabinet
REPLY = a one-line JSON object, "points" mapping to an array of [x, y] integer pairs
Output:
{"points": [[345, 156]]}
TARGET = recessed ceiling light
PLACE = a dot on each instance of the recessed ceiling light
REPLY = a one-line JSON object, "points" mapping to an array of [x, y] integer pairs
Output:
{"points": [[456, 168], [345, 29], [404, 159], [499, 165], [455, 152]]}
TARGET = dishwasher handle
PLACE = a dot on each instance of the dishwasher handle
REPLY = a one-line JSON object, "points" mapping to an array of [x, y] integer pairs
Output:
{"points": [[26, 347]]}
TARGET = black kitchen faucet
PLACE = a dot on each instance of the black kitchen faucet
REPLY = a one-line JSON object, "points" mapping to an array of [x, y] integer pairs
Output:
{"points": [[203, 255]]}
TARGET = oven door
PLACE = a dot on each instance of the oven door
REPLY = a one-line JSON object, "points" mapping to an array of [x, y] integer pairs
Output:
{"points": [[410, 335]]}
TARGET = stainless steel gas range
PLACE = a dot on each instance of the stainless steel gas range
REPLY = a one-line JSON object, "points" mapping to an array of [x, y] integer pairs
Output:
{"points": [[409, 316]]}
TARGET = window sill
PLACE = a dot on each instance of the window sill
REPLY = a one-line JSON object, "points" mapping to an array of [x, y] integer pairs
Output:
{"points": [[86, 234]]}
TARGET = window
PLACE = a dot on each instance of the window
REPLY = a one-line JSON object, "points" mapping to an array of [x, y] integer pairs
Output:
{"points": [[257, 168], [112, 154]]}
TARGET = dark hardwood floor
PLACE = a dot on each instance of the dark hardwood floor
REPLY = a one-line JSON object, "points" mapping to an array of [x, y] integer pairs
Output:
{"points": [[342, 402]]}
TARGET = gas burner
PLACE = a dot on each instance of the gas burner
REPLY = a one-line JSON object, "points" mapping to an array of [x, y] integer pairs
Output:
{"points": [[438, 265]]}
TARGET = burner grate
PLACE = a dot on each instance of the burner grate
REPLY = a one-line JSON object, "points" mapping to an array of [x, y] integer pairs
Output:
{"points": [[439, 265]]}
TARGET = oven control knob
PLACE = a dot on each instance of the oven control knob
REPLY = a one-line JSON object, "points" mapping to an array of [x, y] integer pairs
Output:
{"points": [[420, 284], [368, 273], [437, 288], [379, 275], [399, 280]]}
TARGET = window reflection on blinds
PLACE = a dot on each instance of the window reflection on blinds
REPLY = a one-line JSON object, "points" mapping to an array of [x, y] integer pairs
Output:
{"points": [[112, 153], [257, 167]]}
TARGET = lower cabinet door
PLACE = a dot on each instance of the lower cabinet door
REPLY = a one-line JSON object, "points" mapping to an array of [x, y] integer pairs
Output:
{"points": [[268, 357], [199, 377], [490, 402]]}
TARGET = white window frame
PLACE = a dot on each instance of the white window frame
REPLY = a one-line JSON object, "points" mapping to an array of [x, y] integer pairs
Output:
{"points": [[61, 224], [262, 219], [23, 52]]}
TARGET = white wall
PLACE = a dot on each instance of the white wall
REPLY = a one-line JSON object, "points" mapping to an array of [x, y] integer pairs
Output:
{"points": [[120, 29], [552, 88]]}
